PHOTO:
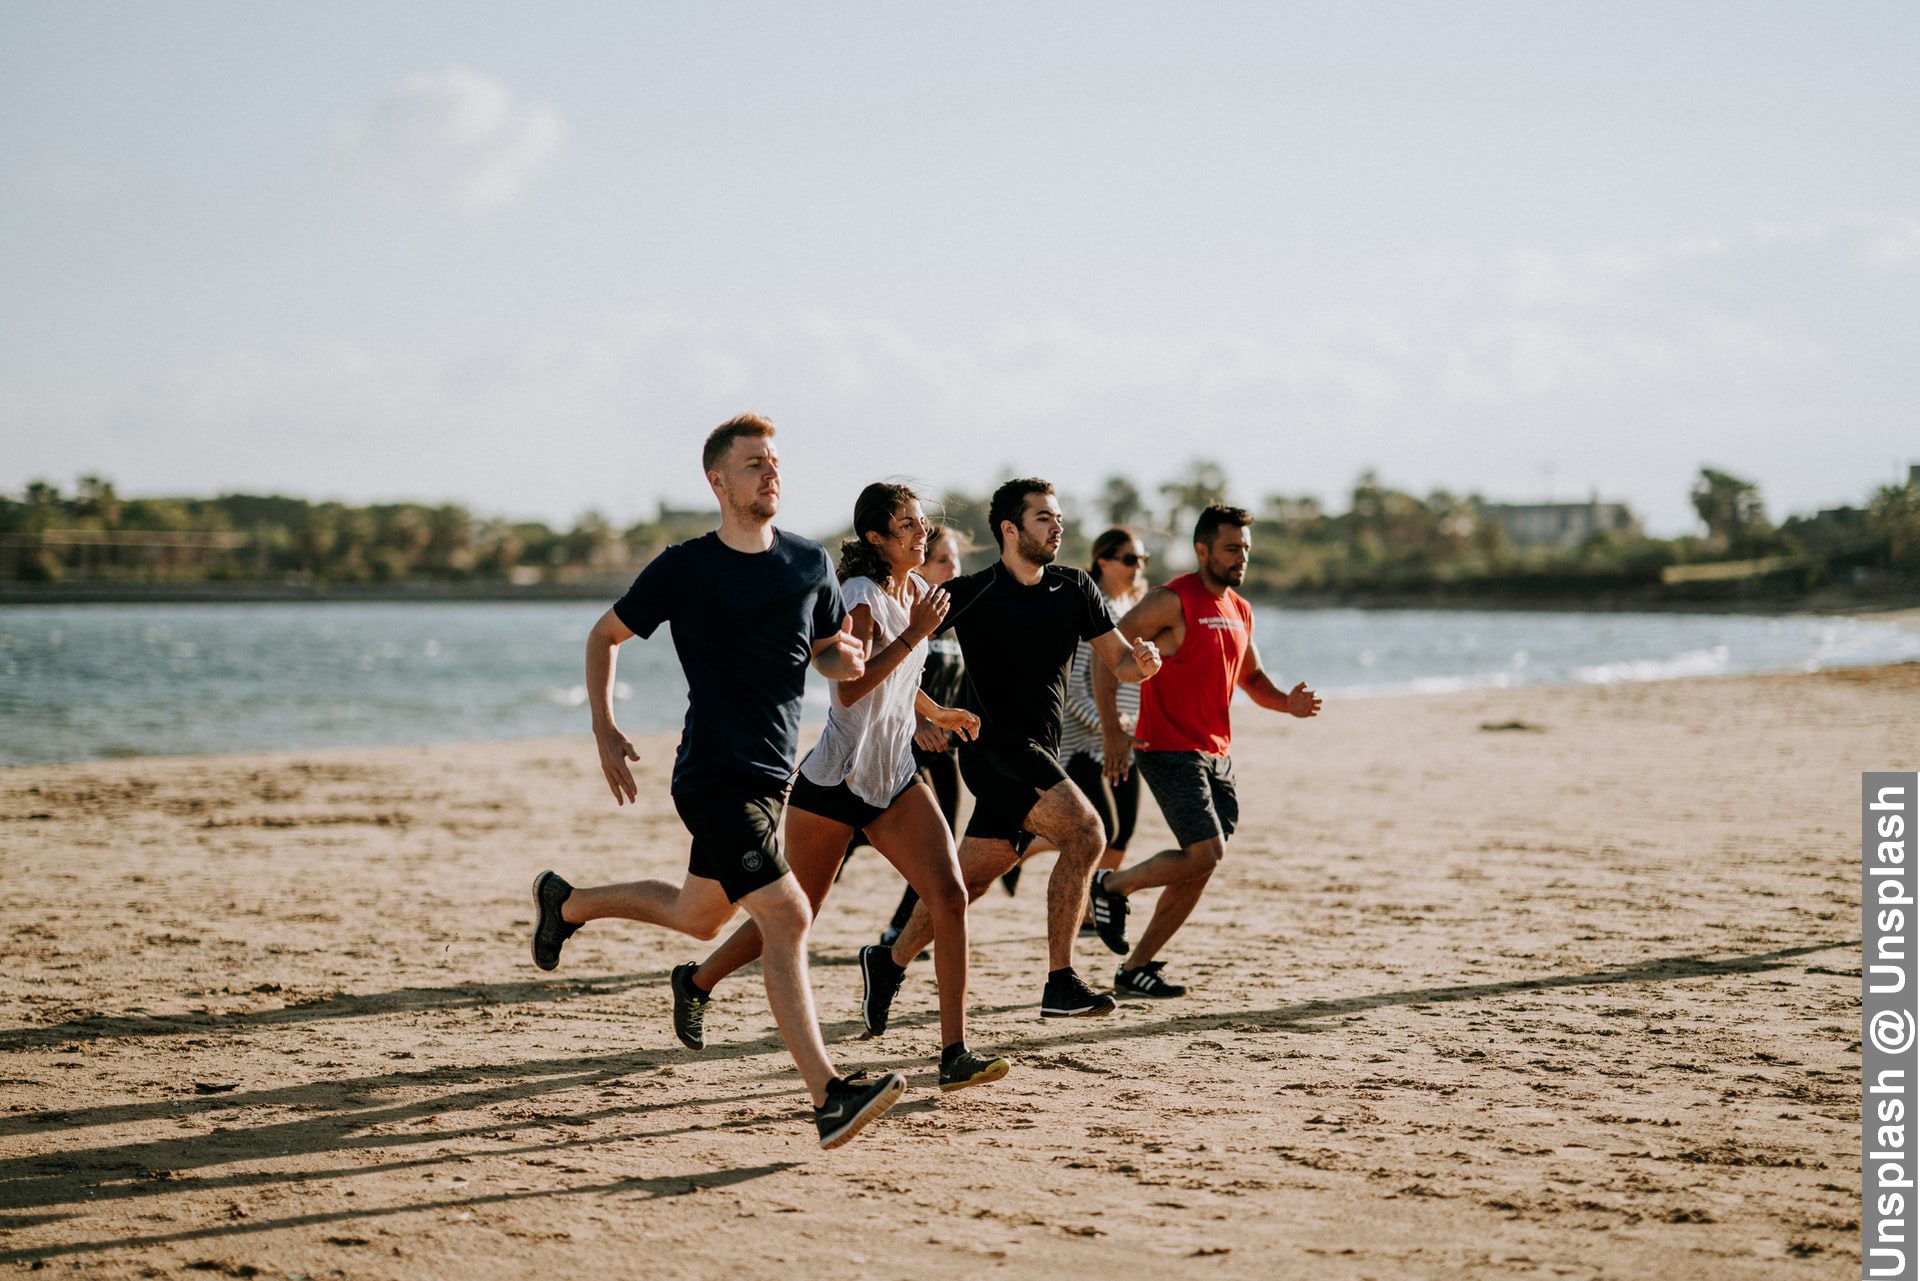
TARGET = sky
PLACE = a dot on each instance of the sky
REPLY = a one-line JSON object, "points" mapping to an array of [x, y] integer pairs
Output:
{"points": [[524, 257]]}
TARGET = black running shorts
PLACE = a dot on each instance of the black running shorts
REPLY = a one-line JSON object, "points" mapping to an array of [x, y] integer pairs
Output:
{"points": [[736, 834], [838, 802], [1006, 782], [1118, 807]]}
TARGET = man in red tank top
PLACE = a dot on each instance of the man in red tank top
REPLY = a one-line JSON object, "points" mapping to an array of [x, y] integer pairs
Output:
{"points": [[1204, 631]]}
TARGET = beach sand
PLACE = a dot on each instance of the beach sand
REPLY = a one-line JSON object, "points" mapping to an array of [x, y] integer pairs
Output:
{"points": [[1575, 997]]}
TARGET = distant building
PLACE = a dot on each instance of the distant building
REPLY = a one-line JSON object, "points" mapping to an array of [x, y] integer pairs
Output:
{"points": [[1560, 525]]}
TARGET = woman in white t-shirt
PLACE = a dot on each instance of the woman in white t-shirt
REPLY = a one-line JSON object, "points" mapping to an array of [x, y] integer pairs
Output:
{"points": [[861, 775]]}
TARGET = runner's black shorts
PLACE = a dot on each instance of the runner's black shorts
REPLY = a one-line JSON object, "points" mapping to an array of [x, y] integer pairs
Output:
{"points": [[1005, 782], [736, 833], [838, 802], [1118, 805]]}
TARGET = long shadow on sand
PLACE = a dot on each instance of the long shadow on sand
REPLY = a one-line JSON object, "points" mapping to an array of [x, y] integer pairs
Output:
{"points": [[348, 1005], [1303, 1015], [338, 1006], [649, 1189], [346, 1120]]}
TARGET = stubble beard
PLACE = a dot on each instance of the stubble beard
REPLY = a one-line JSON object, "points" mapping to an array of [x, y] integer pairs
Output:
{"points": [[758, 509], [1033, 551]]}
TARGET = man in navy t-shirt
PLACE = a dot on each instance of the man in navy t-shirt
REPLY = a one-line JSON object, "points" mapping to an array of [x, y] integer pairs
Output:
{"points": [[749, 608]]}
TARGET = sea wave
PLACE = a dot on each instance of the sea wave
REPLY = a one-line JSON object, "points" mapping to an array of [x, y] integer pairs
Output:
{"points": [[1694, 662]]}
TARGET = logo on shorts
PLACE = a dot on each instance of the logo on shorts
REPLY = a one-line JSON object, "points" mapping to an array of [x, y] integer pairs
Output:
{"points": [[752, 861]]}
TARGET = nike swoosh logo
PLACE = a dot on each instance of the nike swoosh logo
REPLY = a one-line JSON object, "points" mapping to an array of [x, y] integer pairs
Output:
{"points": [[835, 1113], [1054, 588]]}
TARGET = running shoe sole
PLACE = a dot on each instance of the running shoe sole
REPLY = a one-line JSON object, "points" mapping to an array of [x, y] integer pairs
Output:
{"points": [[876, 1106], [540, 924], [871, 982], [1101, 1005], [689, 1014], [991, 1072], [1109, 915]]}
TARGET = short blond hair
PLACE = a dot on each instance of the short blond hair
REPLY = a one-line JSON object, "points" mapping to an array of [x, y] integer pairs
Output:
{"points": [[721, 438]]}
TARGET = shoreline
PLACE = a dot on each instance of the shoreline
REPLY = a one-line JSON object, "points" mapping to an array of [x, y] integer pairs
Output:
{"points": [[811, 726]]}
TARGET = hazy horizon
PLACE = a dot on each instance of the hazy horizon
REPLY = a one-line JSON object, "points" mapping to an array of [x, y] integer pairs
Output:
{"points": [[524, 261]]}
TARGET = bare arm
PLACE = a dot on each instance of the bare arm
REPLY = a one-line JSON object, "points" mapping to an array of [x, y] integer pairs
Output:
{"points": [[1152, 619], [841, 656], [1131, 664], [1116, 744], [603, 653], [1298, 701], [922, 621], [953, 720], [1137, 659]]}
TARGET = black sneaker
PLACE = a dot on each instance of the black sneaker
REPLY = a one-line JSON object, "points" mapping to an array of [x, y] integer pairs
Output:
{"points": [[853, 1102], [1067, 997], [689, 1007], [880, 980], [967, 1068], [1145, 981], [1109, 913], [550, 929]]}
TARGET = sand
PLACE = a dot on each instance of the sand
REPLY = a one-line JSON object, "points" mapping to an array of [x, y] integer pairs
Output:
{"points": [[1573, 998]]}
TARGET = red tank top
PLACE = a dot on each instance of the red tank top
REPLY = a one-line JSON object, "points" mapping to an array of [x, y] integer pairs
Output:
{"points": [[1183, 708]]}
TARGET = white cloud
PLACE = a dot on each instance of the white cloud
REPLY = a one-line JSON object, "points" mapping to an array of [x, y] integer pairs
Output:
{"points": [[1625, 365], [452, 137]]}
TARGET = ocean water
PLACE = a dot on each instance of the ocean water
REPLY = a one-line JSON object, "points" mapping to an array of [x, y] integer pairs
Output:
{"points": [[81, 682]]}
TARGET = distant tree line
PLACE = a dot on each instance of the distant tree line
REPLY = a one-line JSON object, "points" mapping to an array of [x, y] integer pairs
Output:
{"points": [[1390, 540], [46, 535], [1387, 539]]}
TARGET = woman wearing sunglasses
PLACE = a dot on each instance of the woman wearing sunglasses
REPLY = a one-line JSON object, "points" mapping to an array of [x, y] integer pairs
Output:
{"points": [[1120, 568]]}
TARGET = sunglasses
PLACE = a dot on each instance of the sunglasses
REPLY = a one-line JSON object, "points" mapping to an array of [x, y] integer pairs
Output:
{"points": [[1130, 560]]}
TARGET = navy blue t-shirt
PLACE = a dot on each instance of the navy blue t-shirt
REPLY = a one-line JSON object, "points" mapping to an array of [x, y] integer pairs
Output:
{"points": [[744, 624]]}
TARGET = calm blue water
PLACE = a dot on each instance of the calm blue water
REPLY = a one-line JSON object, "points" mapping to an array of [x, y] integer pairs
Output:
{"points": [[88, 681]]}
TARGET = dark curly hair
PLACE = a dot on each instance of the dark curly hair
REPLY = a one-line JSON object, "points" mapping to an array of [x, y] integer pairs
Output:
{"points": [[873, 513]]}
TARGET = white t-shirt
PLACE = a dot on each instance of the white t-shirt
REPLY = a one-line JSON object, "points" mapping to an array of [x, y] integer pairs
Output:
{"points": [[869, 746]]}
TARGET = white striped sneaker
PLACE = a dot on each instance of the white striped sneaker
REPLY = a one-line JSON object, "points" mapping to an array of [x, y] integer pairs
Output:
{"points": [[1145, 981]]}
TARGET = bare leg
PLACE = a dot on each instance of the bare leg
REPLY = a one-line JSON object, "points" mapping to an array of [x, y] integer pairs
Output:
{"points": [[981, 863], [815, 847], [697, 906], [1169, 867], [915, 838], [1063, 816], [781, 912], [1185, 874], [1169, 914]]}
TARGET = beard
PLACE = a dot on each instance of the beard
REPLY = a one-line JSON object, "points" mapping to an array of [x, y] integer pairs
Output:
{"points": [[757, 507], [1033, 551]]}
